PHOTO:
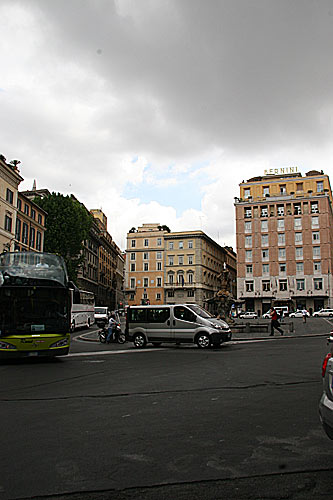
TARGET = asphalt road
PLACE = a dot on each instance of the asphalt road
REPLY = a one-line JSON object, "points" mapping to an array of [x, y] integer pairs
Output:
{"points": [[170, 423]]}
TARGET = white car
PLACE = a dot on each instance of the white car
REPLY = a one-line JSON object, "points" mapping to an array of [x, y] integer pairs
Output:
{"points": [[266, 315], [324, 312], [248, 315], [298, 314]]}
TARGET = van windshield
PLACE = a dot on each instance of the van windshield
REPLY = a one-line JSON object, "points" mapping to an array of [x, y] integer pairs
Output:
{"points": [[199, 311], [101, 310]]}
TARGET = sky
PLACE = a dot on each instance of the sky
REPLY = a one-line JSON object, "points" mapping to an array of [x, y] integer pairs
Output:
{"points": [[156, 110]]}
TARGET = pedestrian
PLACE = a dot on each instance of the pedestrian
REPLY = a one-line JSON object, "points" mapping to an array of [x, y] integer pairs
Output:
{"points": [[304, 314], [274, 321], [111, 326]]}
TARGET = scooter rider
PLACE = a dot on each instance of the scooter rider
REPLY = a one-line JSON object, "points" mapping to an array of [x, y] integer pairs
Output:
{"points": [[111, 327]]}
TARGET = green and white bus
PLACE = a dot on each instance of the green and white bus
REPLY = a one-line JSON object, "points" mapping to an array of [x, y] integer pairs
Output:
{"points": [[35, 305]]}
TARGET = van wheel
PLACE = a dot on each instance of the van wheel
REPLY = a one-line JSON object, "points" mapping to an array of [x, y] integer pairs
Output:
{"points": [[203, 341], [139, 340]]}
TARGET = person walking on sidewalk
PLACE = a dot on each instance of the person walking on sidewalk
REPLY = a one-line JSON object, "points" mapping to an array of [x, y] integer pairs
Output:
{"points": [[274, 322]]}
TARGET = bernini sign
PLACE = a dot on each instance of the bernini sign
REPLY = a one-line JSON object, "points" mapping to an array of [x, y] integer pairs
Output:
{"points": [[281, 171]]}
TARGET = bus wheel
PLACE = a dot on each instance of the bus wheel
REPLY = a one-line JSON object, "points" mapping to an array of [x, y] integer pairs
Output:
{"points": [[203, 341], [139, 340]]}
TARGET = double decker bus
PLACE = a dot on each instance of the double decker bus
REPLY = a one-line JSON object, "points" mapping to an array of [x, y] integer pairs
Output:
{"points": [[35, 305]]}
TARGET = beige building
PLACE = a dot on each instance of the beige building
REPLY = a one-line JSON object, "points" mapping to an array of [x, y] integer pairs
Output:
{"points": [[164, 267], [284, 230], [9, 181], [30, 225]]}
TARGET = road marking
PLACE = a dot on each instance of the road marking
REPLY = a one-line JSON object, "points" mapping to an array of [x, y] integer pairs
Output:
{"points": [[106, 353]]}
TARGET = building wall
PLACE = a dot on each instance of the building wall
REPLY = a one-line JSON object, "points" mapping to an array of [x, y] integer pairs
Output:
{"points": [[290, 236], [30, 225], [9, 182]]}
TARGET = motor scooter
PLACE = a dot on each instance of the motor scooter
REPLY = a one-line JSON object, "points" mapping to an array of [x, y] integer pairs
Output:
{"points": [[117, 335]]}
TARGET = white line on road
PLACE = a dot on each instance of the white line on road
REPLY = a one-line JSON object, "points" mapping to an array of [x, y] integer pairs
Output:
{"points": [[120, 351]]}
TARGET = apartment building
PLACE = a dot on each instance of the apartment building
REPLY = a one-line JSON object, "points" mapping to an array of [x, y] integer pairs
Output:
{"points": [[145, 264], [164, 267], [30, 225], [284, 235], [10, 179]]}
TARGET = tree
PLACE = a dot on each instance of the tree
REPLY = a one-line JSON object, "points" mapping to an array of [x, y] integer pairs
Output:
{"points": [[67, 225]]}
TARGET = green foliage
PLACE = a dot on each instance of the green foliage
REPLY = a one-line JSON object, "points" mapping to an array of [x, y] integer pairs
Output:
{"points": [[67, 226]]}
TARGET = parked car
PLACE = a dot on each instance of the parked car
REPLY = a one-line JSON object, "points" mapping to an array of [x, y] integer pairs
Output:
{"points": [[248, 315], [326, 401], [324, 312], [298, 314], [266, 315]]}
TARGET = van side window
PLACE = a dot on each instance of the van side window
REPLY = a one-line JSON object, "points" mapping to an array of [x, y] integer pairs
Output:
{"points": [[181, 312], [158, 315], [137, 315]]}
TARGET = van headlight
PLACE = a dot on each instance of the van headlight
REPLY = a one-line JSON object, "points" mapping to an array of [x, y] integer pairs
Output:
{"points": [[217, 326]]}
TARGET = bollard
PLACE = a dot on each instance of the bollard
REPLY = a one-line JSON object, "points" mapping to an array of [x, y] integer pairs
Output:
{"points": [[291, 326]]}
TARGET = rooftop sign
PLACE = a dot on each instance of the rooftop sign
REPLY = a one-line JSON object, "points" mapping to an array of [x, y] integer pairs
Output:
{"points": [[281, 171]]}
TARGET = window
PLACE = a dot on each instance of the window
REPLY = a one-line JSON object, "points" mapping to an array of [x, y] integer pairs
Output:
{"points": [[247, 213], [132, 285], [300, 285], [159, 282], [32, 236], [283, 286], [171, 293], [145, 282], [264, 212], [280, 224], [170, 258], [170, 281], [315, 222], [190, 277], [314, 208], [146, 243], [298, 238], [145, 266], [181, 245], [33, 214], [282, 254], [26, 209], [317, 267], [181, 312], [159, 242], [249, 286], [316, 236], [266, 286], [281, 239], [299, 186], [133, 243], [170, 245], [265, 269], [9, 196], [158, 296], [40, 219], [318, 283], [133, 256], [158, 255], [283, 189], [249, 269], [297, 209], [316, 252], [299, 267], [248, 226], [132, 267], [247, 192], [18, 229], [180, 279], [264, 240], [264, 225], [280, 210], [265, 254], [248, 255], [297, 223], [39, 241], [190, 259], [248, 241], [190, 293], [282, 268], [320, 186], [145, 255], [190, 244], [132, 295], [265, 190], [8, 223], [180, 260], [299, 252], [159, 266], [19, 204]]}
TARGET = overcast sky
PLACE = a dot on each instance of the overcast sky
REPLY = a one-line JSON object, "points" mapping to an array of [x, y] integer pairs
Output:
{"points": [[155, 110]]}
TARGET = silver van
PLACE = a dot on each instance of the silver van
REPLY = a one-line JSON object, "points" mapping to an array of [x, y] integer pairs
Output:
{"points": [[178, 323]]}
